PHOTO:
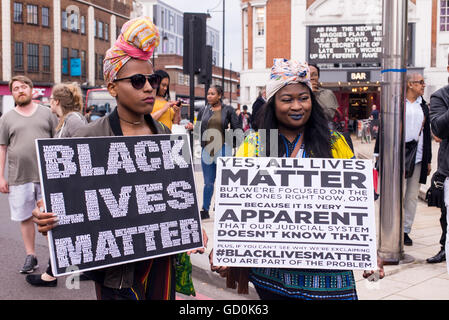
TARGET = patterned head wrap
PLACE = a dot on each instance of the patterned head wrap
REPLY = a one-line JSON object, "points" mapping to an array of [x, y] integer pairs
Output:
{"points": [[138, 39], [286, 72]]}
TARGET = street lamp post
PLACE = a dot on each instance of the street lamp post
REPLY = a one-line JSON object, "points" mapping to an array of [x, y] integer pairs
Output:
{"points": [[391, 133], [223, 62]]}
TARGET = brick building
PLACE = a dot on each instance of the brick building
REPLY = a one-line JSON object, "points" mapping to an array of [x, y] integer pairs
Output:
{"points": [[344, 38], [53, 41]]}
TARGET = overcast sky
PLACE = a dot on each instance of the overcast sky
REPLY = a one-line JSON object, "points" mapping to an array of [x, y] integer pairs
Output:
{"points": [[233, 24]]}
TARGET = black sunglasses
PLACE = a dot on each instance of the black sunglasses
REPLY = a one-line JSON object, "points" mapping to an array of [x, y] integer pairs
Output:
{"points": [[138, 80]]}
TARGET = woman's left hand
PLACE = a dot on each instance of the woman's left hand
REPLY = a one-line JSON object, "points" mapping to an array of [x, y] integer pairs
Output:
{"points": [[203, 249], [380, 270]]}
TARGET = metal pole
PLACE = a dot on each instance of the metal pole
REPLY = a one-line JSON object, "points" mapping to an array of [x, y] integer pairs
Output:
{"points": [[223, 62], [192, 78], [230, 84], [392, 134]]}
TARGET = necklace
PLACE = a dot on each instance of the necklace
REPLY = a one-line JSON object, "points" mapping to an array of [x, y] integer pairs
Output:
{"points": [[215, 107], [130, 122]]}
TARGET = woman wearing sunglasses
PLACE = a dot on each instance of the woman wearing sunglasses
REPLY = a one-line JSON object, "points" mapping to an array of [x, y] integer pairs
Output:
{"points": [[129, 76]]}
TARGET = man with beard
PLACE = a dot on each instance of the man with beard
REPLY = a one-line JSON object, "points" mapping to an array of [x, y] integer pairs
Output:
{"points": [[18, 130]]}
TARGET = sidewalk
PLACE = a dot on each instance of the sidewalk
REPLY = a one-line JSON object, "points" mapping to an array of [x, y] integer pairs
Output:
{"points": [[417, 280]]}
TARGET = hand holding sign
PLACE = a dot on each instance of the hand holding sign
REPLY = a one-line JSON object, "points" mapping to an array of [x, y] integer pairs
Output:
{"points": [[45, 221]]}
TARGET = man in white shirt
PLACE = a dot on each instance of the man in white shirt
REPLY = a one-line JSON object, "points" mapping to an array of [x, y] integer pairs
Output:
{"points": [[417, 127]]}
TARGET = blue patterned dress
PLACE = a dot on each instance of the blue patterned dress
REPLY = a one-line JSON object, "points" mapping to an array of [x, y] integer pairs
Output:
{"points": [[306, 284]]}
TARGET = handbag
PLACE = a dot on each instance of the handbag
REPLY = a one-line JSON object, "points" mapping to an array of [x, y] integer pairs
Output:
{"points": [[435, 194], [411, 148], [183, 274]]}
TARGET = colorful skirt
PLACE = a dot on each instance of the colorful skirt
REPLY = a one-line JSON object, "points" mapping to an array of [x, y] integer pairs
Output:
{"points": [[306, 284], [153, 280]]}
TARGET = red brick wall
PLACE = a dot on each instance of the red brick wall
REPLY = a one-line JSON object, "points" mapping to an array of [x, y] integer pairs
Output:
{"points": [[250, 33], [278, 33], [37, 34]]}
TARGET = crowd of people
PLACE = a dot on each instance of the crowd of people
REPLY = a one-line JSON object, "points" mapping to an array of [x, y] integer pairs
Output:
{"points": [[292, 103]]}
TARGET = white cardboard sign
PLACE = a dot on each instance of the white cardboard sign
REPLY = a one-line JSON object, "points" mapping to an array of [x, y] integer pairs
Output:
{"points": [[295, 213]]}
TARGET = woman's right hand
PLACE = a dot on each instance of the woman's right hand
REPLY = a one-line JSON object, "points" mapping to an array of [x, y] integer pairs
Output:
{"points": [[45, 220], [220, 270], [4, 187]]}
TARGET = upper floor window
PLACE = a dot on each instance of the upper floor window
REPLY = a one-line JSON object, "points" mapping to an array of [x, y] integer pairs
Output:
{"points": [[444, 15], [83, 24], [100, 30], [260, 21], [45, 16], [74, 22], [18, 55], [18, 12], [106, 31], [32, 14], [64, 23], [46, 58], [33, 57]]}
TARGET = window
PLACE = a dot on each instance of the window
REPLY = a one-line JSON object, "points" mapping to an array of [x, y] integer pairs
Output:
{"points": [[46, 58], [100, 30], [95, 28], [100, 66], [64, 20], [83, 25], [33, 57], [74, 53], [18, 12], [106, 32], [74, 22], [260, 21], [65, 62], [45, 16], [118, 30], [444, 15], [18, 55], [32, 14], [83, 62]]}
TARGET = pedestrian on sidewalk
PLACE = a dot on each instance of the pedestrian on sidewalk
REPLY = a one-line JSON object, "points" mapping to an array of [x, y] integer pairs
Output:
{"points": [[66, 102], [417, 128], [435, 198], [166, 111], [258, 104], [303, 132], [329, 103], [439, 116], [213, 121], [18, 130], [129, 76]]}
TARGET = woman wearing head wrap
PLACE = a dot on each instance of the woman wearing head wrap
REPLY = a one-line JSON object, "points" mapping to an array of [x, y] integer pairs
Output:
{"points": [[292, 109], [129, 76]]}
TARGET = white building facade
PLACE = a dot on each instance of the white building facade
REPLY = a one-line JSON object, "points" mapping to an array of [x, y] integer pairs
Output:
{"points": [[343, 37], [170, 23]]}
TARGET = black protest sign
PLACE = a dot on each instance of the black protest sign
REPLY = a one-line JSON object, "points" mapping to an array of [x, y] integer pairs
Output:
{"points": [[118, 199]]}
